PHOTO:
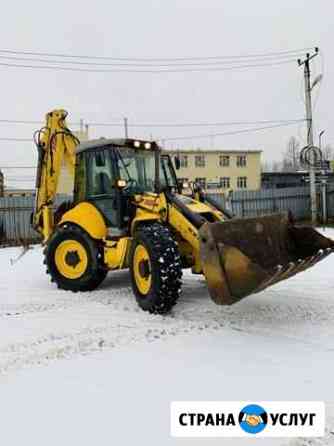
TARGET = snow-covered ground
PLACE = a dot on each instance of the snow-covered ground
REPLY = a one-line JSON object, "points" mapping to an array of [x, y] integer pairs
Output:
{"points": [[83, 369]]}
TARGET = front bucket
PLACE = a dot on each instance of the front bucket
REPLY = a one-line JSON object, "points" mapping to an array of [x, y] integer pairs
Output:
{"points": [[244, 256]]}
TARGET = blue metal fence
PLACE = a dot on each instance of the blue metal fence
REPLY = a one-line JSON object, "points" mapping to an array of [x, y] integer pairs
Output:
{"points": [[268, 201], [15, 227], [15, 220]]}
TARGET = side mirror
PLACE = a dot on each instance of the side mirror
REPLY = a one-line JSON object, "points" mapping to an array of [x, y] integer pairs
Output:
{"points": [[177, 162]]}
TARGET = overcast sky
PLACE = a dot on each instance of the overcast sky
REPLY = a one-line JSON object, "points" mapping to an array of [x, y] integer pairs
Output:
{"points": [[167, 29]]}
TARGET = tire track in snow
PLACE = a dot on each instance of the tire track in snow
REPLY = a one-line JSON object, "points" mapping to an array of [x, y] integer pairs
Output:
{"points": [[115, 289], [52, 347], [73, 300], [191, 317]]}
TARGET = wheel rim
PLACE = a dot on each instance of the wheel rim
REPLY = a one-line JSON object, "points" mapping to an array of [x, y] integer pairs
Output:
{"points": [[142, 269], [71, 259]]}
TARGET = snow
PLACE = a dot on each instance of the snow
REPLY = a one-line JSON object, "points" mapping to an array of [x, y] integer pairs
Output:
{"points": [[92, 368]]}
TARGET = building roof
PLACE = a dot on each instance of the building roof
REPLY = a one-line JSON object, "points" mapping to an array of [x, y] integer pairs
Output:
{"points": [[213, 150], [94, 143]]}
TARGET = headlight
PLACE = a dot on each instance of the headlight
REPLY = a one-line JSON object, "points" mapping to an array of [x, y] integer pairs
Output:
{"points": [[147, 145], [121, 184], [137, 144]]}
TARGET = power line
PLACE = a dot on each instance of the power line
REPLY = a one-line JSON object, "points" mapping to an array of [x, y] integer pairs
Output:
{"points": [[179, 138], [176, 70], [280, 124], [20, 121], [150, 59], [158, 125], [16, 121], [197, 124], [150, 64]]}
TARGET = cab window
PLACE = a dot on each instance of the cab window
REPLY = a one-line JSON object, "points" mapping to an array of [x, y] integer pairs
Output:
{"points": [[100, 173], [80, 179]]}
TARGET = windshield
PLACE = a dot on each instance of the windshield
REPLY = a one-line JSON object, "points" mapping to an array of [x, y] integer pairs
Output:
{"points": [[137, 167]]}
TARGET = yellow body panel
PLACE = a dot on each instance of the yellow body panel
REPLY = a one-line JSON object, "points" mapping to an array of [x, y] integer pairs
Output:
{"points": [[88, 218], [150, 207], [187, 232], [143, 216], [116, 253], [197, 206], [47, 216]]}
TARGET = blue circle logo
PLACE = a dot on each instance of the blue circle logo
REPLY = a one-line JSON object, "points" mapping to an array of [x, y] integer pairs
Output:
{"points": [[253, 419]]}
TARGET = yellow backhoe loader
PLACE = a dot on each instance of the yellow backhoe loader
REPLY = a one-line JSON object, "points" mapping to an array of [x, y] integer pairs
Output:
{"points": [[128, 211]]}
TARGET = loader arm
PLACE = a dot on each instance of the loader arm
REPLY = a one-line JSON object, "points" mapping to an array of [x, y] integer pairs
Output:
{"points": [[56, 148]]}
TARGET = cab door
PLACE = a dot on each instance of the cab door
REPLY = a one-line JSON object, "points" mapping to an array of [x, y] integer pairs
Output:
{"points": [[101, 190]]}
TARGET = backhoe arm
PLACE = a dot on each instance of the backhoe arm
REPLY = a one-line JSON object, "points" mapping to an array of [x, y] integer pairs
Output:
{"points": [[56, 147]]}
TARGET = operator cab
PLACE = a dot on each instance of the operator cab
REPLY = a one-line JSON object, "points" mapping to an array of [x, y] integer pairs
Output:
{"points": [[111, 171]]}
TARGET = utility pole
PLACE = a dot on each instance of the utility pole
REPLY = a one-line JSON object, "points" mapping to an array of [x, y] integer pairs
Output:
{"points": [[2, 181], [308, 105], [126, 128]]}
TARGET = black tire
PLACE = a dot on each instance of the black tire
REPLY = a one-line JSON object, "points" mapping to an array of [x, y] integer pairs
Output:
{"points": [[94, 273], [165, 269]]}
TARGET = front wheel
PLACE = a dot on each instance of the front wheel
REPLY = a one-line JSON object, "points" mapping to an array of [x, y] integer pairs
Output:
{"points": [[155, 267]]}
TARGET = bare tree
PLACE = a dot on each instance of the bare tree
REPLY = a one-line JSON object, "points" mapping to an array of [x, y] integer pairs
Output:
{"points": [[291, 155]]}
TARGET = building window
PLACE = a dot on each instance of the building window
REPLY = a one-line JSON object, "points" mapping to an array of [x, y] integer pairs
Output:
{"points": [[225, 182], [224, 161], [184, 160], [241, 161], [201, 181], [242, 183], [199, 161]]}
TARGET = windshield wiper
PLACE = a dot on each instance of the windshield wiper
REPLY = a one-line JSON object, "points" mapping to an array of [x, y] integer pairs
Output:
{"points": [[123, 163]]}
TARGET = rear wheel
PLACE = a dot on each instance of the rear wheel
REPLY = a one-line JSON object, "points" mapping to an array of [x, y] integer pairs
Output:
{"points": [[74, 260], [155, 267]]}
